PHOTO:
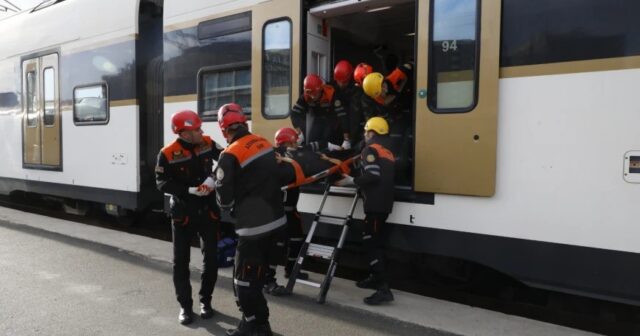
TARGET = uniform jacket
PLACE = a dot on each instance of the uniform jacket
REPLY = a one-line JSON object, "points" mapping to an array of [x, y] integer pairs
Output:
{"points": [[181, 165], [377, 179], [247, 182], [329, 106]]}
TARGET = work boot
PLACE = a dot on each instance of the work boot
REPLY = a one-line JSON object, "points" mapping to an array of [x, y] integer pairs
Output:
{"points": [[186, 316], [243, 329], [206, 311], [263, 330], [381, 296], [274, 289], [371, 282]]}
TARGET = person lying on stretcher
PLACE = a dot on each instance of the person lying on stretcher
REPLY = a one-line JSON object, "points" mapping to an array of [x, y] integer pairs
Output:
{"points": [[303, 164], [299, 165]]}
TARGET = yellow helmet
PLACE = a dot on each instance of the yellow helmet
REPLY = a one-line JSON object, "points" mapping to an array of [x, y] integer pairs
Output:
{"points": [[378, 125], [372, 84]]}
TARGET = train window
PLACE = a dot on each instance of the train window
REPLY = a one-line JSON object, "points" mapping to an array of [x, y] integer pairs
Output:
{"points": [[224, 26], [49, 97], [221, 85], [90, 104], [570, 31], [276, 69], [32, 112], [453, 55]]}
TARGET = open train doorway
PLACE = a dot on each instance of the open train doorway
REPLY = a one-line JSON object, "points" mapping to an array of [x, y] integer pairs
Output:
{"points": [[380, 33]]}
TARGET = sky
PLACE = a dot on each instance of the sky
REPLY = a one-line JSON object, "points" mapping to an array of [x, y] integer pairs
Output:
{"points": [[22, 4]]}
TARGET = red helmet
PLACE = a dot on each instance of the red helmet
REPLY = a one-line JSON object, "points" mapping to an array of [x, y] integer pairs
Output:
{"points": [[286, 134], [342, 72], [312, 86], [185, 120], [230, 114], [362, 70]]}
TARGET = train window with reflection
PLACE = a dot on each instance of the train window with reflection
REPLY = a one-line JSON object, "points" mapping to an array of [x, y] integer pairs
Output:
{"points": [[276, 69], [32, 112], [221, 85], [453, 55], [49, 97], [90, 104]]}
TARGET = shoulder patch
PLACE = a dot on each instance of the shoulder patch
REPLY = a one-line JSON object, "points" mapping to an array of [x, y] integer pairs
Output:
{"points": [[219, 174], [159, 169], [371, 158], [177, 154], [337, 103]]}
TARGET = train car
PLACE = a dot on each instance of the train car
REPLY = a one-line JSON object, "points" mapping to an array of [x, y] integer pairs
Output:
{"points": [[522, 157], [81, 102]]}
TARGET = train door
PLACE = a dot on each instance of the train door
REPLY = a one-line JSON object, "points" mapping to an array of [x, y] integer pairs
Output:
{"points": [[41, 123], [275, 71], [458, 44], [380, 33]]}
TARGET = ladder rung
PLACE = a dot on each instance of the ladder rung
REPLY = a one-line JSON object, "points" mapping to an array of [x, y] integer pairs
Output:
{"points": [[331, 220], [343, 190], [322, 251], [308, 283]]}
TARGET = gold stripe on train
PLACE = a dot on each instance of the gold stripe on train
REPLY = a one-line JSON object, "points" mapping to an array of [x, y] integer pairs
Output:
{"points": [[561, 68]]}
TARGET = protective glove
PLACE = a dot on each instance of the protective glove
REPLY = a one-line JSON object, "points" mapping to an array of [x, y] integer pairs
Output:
{"points": [[346, 144], [333, 147], [300, 139], [346, 180], [202, 190]]}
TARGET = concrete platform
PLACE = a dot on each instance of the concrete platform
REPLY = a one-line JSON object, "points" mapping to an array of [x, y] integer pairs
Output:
{"points": [[431, 314]]}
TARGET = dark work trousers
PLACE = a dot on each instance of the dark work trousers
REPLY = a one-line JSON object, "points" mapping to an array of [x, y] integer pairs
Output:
{"points": [[206, 227], [287, 242], [372, 239], [250, 272]]}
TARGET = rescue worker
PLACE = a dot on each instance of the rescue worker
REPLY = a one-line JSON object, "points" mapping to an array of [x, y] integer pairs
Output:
{"points": [[377, 186], [183, 171], [246, 183], [362, 106], [393, 95], [345, 91], [319, 115]]}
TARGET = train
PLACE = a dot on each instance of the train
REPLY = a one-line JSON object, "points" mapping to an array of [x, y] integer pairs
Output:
{"points": [[524, 156]]}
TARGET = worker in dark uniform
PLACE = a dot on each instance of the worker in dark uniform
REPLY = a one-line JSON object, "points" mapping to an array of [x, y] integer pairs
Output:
{"points": [[319, 115], [245, 183], [363, 107], [183, 171], [377, 185], [393, 96], [345, 91]]}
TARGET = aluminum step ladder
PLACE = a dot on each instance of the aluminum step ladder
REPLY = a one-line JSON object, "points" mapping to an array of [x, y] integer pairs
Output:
{"points": [[325, 252]]}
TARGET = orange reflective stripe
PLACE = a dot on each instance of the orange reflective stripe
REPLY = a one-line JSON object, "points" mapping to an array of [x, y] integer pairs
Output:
{"points": [[248, 147], [396, 77], [383, 152]]}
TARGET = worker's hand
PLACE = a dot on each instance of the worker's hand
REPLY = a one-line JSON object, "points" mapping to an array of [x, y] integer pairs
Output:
{"points": [[346, 180], [278, 157], [346, 144], [300, 138]]}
